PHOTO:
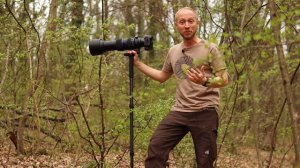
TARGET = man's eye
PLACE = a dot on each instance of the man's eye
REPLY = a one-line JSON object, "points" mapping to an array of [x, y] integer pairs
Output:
{"points": [[182, 22], [191, 21]]}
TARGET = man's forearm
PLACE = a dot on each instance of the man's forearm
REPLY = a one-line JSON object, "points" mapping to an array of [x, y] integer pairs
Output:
{"points": [[220, 80], [154, 74]]}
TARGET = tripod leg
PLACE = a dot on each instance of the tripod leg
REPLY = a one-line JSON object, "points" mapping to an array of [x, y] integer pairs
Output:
{"points": [[131, 106]]}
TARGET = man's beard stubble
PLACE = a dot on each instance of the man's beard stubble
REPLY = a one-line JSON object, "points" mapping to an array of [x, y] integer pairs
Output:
{"points": [[188, 37]]}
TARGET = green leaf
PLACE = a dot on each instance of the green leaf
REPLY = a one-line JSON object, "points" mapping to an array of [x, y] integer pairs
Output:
{"points": [[257, 36], [213, 39], [185, 68], [238, 34], [247, 38], [216, 80]]}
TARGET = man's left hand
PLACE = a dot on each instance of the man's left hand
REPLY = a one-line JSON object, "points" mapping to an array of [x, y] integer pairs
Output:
{"points": [[197, 75]]}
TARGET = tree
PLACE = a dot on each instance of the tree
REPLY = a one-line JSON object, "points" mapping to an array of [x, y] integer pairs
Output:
{"points": [[276, 26]]}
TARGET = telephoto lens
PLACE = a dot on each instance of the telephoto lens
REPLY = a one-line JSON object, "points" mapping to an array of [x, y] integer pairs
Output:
{"points": [[99, 46]]}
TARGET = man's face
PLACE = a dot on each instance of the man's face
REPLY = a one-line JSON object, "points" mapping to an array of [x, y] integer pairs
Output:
{"points": [[186, 24]]}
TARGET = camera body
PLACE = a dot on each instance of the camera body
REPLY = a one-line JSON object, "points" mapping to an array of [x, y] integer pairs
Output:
{"points": [[99, 46]]}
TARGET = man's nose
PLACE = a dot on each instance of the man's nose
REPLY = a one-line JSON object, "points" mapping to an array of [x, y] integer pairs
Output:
{"points": [[186, 24]]}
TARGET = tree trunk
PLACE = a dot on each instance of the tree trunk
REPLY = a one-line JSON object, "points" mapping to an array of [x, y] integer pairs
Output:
{"points": [[32, 86], [5, 71], [276, 26], [102, 147], [77, 14]]}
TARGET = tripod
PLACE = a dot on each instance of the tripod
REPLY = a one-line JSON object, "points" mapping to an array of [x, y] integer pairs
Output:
{"points": [[131, 105]]}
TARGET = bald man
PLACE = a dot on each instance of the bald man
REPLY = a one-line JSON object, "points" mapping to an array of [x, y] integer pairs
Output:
{"points": [[197, 94]]}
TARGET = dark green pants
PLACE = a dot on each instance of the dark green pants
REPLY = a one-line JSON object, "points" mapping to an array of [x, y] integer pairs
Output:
{"points": [[202, 125]]}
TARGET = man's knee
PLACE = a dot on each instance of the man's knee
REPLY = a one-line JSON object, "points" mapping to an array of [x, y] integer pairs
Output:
{"points": [[157, 156], [206, 159], [207, 153]]}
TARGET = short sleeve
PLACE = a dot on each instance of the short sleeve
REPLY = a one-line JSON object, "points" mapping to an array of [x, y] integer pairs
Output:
{"points": [[217, 60], [167, 67]]}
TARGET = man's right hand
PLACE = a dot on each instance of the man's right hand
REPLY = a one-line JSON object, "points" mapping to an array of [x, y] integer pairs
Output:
{"points": [[136, 57]]}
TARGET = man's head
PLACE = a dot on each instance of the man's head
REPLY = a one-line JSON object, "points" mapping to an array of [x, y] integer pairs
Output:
{"points": [[186, 22]]}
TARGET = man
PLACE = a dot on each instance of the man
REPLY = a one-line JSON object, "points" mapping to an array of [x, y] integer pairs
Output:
{"points": [[197, 94]]}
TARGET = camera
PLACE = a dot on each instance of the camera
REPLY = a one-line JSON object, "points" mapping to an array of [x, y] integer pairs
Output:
{"points": [[99, 46]]}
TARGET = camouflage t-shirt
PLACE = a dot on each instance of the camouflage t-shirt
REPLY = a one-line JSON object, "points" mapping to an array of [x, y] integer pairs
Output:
{"points": [[192, 97]]}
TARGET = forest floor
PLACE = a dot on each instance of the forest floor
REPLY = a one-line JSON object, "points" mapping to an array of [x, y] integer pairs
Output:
{"points": [[243, 158]]}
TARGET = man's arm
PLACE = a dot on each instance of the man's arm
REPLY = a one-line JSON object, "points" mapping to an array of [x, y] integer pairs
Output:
{"points": [[155, 74], [220, 80]]}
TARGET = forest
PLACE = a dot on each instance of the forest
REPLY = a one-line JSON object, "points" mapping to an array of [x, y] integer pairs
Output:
{"points": [[62, 107]]}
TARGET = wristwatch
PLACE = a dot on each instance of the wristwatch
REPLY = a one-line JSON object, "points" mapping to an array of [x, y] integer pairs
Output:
{"points": [[205, 83]]}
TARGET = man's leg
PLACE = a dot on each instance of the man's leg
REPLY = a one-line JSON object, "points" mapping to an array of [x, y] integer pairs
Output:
{"points": [[167, 135], [204, 127]]}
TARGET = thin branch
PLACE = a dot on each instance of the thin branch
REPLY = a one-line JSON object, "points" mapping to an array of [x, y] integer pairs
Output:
{"points": [[287, 151], [9, 10], [284, 12], [278, 119], [34, 127], [33, 26], [206, 7], [101, 147], [256, 12], [229, 121], [34, 115], [80, 134]]}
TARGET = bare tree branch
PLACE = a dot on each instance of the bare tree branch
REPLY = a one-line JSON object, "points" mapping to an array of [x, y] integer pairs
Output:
{"points": [[211, 17], [12, 14]]}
